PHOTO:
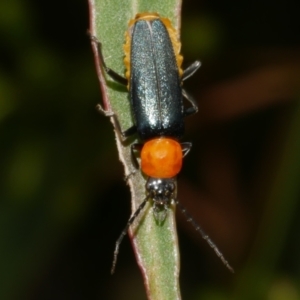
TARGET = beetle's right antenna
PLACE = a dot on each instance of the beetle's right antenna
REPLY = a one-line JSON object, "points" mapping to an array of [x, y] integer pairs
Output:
{"points": [[124, 232], [204, 236]]}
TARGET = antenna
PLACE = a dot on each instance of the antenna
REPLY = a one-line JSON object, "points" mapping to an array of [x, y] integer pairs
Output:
{"points": [[124, 232], [198, 228]]}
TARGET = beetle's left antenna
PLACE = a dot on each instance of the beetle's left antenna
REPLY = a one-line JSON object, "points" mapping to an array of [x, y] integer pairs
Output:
{"points": [[124, 232]]}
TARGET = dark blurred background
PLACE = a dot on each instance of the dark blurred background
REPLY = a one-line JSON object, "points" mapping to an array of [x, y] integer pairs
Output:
{"points": [[61, 180]]}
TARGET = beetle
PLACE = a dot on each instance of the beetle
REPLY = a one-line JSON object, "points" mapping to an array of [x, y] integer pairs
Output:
{"points": [[154, 79]]}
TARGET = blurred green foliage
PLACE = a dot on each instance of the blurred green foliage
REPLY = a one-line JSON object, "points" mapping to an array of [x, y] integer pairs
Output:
{"points": [[60, 178]]}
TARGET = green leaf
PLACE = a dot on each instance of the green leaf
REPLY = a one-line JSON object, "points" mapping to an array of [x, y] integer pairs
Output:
{"points": [[155, 245]]}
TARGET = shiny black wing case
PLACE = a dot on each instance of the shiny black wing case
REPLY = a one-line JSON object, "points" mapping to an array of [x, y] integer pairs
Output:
{"points": [[155, 86]]}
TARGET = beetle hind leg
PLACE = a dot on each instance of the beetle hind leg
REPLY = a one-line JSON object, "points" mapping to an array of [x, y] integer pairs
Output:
{"points": [[192, 109]]}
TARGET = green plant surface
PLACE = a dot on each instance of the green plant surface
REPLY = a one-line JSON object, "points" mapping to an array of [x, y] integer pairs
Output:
{"points": [[155, 245]]}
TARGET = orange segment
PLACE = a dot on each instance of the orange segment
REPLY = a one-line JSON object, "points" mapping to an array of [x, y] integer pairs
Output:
{"points": [[161, 158]]}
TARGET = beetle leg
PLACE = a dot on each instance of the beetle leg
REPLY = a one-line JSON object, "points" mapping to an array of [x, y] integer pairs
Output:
{"points": [[194, 108], [186, 147], [136, 147], [114, 75], [102, 111], [122, 134], [190, 71]]}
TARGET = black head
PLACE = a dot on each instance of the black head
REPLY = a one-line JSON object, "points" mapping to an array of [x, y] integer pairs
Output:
{"points": [[161, 191]]}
